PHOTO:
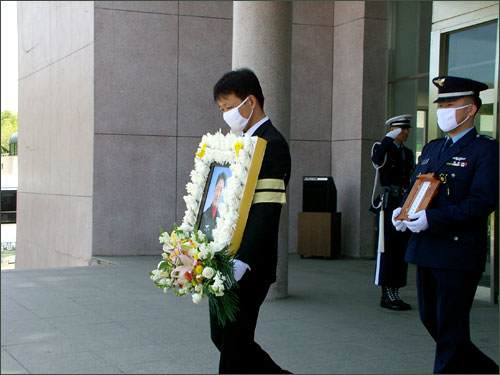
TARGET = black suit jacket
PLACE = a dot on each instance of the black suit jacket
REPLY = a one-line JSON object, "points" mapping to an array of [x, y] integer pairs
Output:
{"points": [[457, 235], [207, 224], [259, 245]]}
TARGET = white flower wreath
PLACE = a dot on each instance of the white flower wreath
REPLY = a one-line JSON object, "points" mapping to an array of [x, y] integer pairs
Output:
{"points": [[222, 149]]}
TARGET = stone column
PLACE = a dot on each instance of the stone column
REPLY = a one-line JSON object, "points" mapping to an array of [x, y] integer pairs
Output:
{"points": [[262, 40], [358, 115]]}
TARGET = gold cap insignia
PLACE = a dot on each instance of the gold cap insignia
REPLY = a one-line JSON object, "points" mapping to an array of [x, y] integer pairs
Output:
{"points": [[440, 81]]}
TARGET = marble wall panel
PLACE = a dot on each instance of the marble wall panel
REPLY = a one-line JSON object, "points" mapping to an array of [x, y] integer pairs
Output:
{"points": [[346, 171], [348, 80], [135, 73], [71, 27], [71, 126], [70, 240], [26, 123], [313, 12], [212, 9], [33, 36], [312, 59], [374, 79], [134, 193], [186, 150], [203, 59], [164, 7], [348, 11]]}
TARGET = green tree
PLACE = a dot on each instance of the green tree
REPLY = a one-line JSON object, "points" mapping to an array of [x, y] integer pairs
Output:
{"points": [[9, 127]]}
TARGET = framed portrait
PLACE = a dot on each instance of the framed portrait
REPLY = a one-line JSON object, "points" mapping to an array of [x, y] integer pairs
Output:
{"points": [[213, 196], [421, 194], [222, 187]]}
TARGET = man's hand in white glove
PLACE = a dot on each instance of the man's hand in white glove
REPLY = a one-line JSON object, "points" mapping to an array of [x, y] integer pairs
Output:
{"points": [[393, 133], [418, 223], [398, 224], [239, 269]]}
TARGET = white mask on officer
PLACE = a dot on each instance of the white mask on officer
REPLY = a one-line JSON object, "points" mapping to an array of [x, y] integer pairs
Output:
{"points": [[447, 118], [235, 120]]}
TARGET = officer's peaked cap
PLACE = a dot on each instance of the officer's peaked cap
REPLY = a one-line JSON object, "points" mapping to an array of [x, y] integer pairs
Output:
{"points": [[401, 121], [451, 88]]}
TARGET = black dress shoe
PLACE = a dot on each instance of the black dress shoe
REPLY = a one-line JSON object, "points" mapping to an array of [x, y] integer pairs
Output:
{"points": [[404, 306], [386, 303]]}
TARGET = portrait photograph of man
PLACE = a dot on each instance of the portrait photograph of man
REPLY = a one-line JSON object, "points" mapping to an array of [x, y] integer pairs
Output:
{"points": [[214, 197]]}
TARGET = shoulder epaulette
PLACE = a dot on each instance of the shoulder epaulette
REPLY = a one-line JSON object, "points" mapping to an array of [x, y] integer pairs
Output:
{"points": [[485, 137]]}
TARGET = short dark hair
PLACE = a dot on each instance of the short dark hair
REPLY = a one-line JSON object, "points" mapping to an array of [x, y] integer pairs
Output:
{"points": [[221, 176], [477, 102], [241, 82]]}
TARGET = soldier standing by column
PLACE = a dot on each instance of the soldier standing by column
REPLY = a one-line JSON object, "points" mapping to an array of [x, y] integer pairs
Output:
{"points": [[395, 164]]}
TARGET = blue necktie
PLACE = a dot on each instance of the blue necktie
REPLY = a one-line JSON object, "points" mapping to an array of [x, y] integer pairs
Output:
{"points": [[446, 146]]}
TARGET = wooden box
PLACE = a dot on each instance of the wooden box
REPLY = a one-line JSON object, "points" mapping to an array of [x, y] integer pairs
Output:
{"points": [[319, 234]]}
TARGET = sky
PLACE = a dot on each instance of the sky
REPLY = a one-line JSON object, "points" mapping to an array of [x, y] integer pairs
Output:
{"points": [[9, 56]]}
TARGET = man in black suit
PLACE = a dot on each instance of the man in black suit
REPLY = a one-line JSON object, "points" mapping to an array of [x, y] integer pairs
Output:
{"points": [[449, 239], [210, 215], [239, 96], [395, 163]]}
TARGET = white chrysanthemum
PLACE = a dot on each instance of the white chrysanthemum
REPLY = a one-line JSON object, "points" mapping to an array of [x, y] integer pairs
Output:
{"points": [[197, 178], [165, 282], [208, 272], [218, 284], [190, 217], [218, 148], [196, 298], [191, 203], [155, 275], [165, 238], [186, 227]]}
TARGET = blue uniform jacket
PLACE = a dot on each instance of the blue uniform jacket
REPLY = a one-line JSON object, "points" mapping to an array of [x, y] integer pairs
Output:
{"points": [[457, 235]]}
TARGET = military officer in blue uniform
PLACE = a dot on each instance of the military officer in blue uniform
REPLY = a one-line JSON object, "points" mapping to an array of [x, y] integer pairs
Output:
{"points": [[449, 239], [394, 162]]}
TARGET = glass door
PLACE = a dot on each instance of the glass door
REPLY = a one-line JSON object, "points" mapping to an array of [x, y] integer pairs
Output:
{"points": [[463, 48]]}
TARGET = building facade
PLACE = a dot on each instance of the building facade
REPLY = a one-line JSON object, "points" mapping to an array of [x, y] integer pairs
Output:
{"points": [[115, 96]]}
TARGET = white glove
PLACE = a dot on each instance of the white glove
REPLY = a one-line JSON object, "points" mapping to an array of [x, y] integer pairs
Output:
{"points": [[239, 269], [393, 133], [418, 223], [398, 224]]}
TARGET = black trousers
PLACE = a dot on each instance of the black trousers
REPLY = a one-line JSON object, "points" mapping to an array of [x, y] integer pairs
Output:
{"points": [[391, 269], [445, 299], [239, 353]]}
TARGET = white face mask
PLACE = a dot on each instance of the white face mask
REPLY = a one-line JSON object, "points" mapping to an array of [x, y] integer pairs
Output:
{"points": [[447, 118], [235, 120]]}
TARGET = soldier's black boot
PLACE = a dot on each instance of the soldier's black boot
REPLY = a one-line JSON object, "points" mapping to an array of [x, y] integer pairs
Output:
{"points": [[388, 300], [403, 304]]}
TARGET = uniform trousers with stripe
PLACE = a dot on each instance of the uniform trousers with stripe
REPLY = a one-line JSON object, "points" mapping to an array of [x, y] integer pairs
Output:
{"points": [[391, 269]]}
